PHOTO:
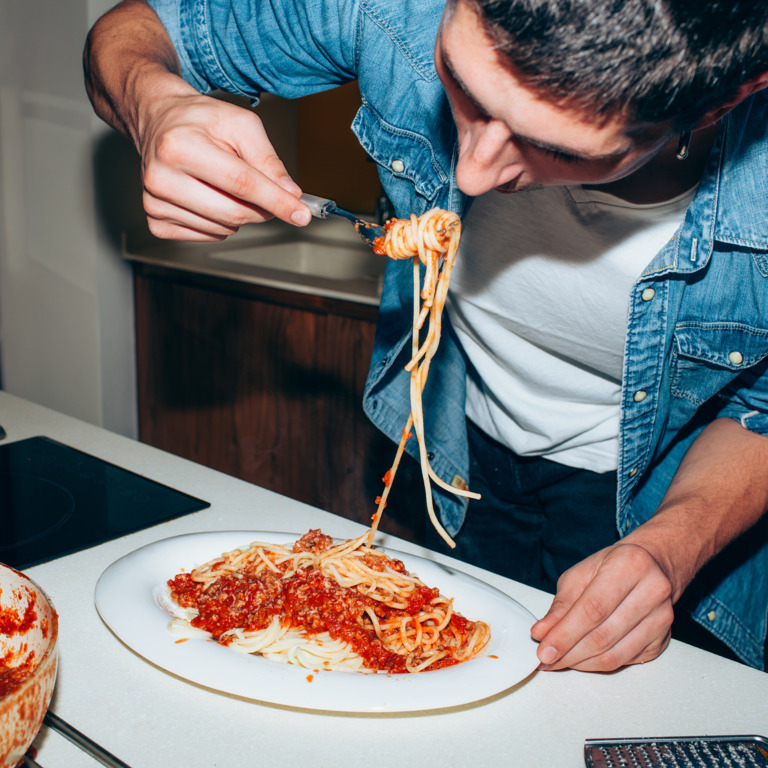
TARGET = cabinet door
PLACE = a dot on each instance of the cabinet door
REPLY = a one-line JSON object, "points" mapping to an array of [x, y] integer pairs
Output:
{"points": [[264, 391]]}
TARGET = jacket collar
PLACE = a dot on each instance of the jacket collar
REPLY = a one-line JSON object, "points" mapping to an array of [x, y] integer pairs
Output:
{"points": [[731, 203]]}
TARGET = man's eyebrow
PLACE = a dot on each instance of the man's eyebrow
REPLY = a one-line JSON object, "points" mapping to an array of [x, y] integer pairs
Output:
{"points": [[537, 143]]}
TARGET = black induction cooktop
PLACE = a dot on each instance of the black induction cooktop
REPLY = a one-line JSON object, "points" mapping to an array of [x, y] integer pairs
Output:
{"points": [[55, 499]]}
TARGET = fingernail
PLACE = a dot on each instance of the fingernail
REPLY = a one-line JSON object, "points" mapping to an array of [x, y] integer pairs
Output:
{"points": [[548, 655], [301, 218]]}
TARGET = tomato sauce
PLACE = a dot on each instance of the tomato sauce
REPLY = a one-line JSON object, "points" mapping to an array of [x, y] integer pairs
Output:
{"points": [[12, 623], [308, 601], [378, 242], [11, 678]]}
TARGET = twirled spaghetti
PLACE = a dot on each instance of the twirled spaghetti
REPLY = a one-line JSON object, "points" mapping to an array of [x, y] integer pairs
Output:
{"points": [[322, 605], [433, 240]]}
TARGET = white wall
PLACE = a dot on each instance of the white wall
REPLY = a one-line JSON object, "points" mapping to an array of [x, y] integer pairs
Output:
{"points": [[68, 186]]}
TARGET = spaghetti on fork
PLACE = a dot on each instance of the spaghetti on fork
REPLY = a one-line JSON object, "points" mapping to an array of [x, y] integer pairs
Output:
{"points": [[431, 239]]}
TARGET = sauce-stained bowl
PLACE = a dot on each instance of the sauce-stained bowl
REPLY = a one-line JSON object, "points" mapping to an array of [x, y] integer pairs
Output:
{"points": [[28, 658]]}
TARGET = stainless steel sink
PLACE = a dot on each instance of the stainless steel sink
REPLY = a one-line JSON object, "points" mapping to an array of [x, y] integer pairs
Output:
{"points": [[332, 261], [327, 258]]}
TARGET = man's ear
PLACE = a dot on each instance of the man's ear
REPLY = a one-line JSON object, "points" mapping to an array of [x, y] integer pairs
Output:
{"points": [[745, 91]]}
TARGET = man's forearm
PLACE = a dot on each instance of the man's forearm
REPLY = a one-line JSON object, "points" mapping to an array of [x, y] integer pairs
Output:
{"points": [[719, 491], [128, 54]]}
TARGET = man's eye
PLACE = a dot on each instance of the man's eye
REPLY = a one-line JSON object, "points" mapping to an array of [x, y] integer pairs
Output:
{"points": [[480, 113], [562, 157]]}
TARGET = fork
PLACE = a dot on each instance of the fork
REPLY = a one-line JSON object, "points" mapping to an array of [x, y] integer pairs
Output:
{"points": [[322, 208]]}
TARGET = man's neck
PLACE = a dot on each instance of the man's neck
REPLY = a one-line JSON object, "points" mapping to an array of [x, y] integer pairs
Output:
{"points": [[665, 176]]}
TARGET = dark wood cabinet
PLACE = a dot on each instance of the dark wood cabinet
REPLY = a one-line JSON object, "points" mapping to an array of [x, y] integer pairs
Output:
{"points": [[262, 384]]}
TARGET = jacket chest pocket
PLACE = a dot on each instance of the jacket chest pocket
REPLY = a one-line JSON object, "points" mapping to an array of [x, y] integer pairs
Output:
{"points": [[404, 157], [706, 357]]}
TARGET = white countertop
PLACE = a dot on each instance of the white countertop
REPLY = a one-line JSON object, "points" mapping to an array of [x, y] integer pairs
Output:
{"points": [[151, 719]]}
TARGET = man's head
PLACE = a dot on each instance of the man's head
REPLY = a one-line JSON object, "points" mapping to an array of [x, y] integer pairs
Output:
{"points": [[583, 91], [651, 60]]}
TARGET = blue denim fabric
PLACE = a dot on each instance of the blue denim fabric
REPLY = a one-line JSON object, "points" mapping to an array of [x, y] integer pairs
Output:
{"points": [[709, 284]]}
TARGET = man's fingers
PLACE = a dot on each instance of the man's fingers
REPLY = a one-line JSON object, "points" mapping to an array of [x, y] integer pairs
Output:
{"points": [[223, 188], [248, 168], [166, 230], [241, 181], [587, 616], [263, 157], [199, 206], [217, 162], [642, 644], [600, 628], [632, 633], [570, 587]]}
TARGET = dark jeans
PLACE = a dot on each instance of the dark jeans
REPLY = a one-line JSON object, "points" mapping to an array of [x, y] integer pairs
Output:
{"points": [[536, 519]]}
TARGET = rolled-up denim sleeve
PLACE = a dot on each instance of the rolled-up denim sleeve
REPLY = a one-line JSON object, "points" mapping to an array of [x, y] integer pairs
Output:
{"points": [[169, 14], [746, 400], [288, 47]]}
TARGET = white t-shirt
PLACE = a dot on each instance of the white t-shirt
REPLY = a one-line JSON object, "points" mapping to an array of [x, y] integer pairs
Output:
{"points": [[539, 299]]}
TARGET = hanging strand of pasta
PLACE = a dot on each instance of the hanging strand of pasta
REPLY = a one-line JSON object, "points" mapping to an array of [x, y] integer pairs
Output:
{"points": [[431, 239], [381, 501]]}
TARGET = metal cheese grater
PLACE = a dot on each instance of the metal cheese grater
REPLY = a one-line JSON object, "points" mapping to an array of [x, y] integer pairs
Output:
{"points": [[682, 752]]}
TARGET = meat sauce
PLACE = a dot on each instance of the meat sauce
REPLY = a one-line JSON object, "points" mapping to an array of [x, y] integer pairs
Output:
{"points": [[378, 242], [11, 678], [11, 623], [308, 601]]}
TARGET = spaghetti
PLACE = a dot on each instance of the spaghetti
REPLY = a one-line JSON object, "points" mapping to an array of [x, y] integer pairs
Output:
{"points": [[347, 606], [432, 240], [322, 605]]}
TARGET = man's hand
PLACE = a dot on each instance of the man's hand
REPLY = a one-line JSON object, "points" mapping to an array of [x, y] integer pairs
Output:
{"points": [[610, 610], [208, 168], [615, 607]]}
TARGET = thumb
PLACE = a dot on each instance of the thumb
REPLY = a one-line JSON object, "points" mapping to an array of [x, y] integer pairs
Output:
{"points": [[556, 611]]}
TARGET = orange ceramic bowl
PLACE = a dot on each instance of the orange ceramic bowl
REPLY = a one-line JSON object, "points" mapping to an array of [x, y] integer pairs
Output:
{"points": [[28, 637]]}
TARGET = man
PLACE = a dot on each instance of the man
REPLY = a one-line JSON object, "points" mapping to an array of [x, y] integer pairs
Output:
{"points": [[563, 103]]}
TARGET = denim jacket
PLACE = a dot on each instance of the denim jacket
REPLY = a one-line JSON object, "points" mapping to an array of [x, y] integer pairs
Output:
{"points": [[697, 338]]}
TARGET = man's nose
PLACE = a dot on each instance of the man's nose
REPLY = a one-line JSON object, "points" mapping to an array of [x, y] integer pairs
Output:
{"points": [[487, 158]]}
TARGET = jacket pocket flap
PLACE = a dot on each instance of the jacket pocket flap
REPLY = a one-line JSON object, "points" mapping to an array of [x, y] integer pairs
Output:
{"points": [[404, 153], [728, 345]]}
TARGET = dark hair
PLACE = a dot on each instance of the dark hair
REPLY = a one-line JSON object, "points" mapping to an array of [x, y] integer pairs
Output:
{"points": [[650, 60]]}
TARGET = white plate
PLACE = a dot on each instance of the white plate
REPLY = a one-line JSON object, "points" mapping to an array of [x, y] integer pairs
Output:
{"points": [[124, 599]]}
